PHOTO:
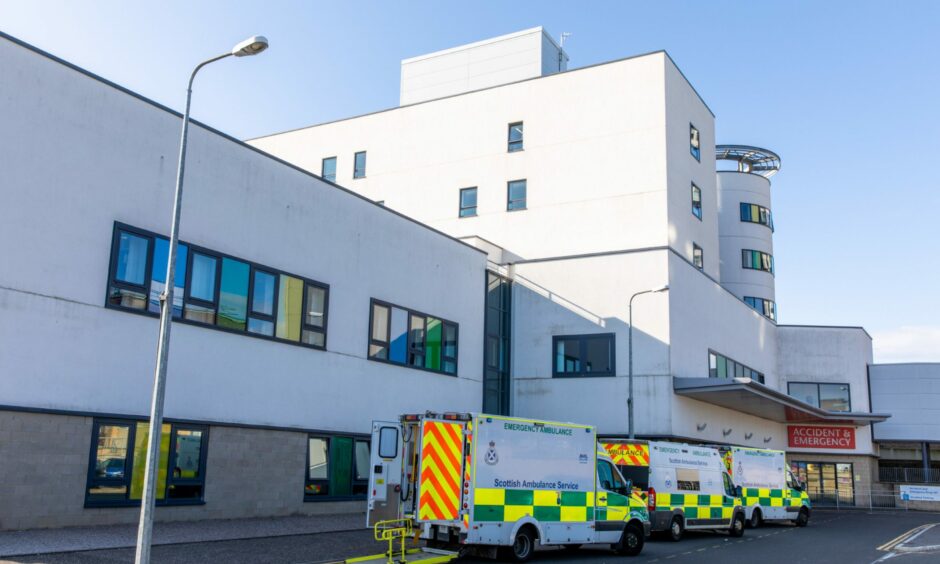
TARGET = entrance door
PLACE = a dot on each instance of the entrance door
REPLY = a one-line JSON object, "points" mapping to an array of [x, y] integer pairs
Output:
{"points": [[385, 477], [827, 483]]}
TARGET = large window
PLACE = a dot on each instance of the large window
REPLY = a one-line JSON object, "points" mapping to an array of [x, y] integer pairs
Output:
{"points": [[756, 214], [767, 308], [118, 459], [337, 468], [698, 258], [696, 201], [216, 290], [516, 195], [498, 336], [720, 366], [695, 143], [406, 337], [834, 397], [359, 165], [757, 260], [827, 483], [468, 202], [328, 169], [583, 355], [515, 137]]}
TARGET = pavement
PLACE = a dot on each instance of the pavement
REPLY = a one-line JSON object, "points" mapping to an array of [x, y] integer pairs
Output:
{"points": [[831, 537]]}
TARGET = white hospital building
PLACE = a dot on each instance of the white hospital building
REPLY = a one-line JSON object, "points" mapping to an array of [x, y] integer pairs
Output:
{"points": [[475, 248]]}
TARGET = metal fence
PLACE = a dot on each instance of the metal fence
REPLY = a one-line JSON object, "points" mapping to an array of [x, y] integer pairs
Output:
{"points": [[865, 500], [909, 475]]}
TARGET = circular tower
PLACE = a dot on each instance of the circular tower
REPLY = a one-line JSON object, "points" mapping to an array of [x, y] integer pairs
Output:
{"points": [[745, 224]]}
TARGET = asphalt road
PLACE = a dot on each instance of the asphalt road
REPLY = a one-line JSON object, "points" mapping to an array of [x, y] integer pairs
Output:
{"points": [[830, 537]]}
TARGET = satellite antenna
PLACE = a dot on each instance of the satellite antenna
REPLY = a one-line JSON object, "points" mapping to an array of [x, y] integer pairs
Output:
{"points": [[564, 35], [561, 50]]}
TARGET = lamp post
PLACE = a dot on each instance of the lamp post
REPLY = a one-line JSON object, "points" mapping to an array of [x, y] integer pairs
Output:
{"points": [[251, 46], [664, 288]]}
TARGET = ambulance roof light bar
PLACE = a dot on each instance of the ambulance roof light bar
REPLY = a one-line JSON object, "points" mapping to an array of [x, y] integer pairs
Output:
{"points": [[452, 416]]}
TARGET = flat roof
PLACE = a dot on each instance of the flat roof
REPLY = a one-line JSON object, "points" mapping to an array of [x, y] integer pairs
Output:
{"points": [[751, 397]]}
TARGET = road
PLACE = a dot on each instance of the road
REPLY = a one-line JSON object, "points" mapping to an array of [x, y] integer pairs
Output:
{"points": [[830, 538]]}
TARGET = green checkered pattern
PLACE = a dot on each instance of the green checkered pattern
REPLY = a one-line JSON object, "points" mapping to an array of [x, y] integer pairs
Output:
{"points": [[768, 497], [510, 505], [699, 506]]}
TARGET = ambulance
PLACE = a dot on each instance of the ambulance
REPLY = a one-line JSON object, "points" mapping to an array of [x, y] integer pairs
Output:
{"points": [[769, 489], [490, 485], [687, 486]]}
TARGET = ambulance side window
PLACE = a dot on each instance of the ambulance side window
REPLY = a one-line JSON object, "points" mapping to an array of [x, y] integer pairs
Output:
{"points": [[388, 442], [608, 478], [729, 487]]}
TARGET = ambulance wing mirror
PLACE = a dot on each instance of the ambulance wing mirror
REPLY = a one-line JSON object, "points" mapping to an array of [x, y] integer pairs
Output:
{"points": [[606, 485], [738, 491], [801, 486]]}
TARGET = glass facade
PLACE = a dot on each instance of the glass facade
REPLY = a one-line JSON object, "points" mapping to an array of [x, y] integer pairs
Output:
{"points": [[497, 344], [403, 336], [752, 213], [119, 453], [516, 195], [834, 397], [468, 202], [583, 355], [720, 366], [515, 137], [359, 165], [827, 483], [767, 308], [757, 260], [216, 290], [328, 169]]}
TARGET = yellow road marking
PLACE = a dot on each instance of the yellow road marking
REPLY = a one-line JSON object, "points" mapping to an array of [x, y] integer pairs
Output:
{"points": [[899, 539]]}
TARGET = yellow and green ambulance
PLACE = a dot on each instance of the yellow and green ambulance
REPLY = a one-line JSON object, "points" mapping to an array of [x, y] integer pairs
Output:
{"points": [[487, 484], [769, 490]]}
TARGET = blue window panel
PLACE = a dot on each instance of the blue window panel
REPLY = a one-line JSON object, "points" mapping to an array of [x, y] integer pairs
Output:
{"points": [[161, 252], [203, 278], [399, 335], [132, 259], [233, 295]]}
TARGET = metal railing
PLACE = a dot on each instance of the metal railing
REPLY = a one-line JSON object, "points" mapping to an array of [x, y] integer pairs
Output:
{"points": [[909, 475], [866, 500]]}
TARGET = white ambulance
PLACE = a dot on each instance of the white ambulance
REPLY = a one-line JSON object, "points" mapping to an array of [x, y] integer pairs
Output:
{"points": [[769, 489], [488, 484]]}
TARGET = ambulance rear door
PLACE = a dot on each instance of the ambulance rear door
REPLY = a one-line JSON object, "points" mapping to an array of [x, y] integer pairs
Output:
{"points": [[385, 475]]}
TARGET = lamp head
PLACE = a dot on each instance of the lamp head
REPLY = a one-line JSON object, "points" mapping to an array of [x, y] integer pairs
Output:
{"points": [[251, 46], [663, 288]]}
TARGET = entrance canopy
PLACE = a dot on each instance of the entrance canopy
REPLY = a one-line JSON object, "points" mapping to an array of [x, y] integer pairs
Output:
{"points": [[751, 397]]}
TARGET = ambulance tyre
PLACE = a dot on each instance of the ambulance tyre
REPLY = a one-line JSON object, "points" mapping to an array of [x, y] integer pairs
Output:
{"points": [[803, 518], [676, 530], [757, 519], [631, 543], [523, 546], [737, 525]]}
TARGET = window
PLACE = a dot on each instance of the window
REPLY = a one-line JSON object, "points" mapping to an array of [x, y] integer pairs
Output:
{"points": [[729, 485], [687, 480], [695, 143], [608, 478], [697, 258], [720, 366], [516, 195], [410, 338], [337, 468], [833, 397], [468, 202], [696, 201], [388, 442], [118, 458], [497, 321], [359, 165], [756, 214], [328, 169], [583, 355], [757, 260], [515, 137], [215, 290], [767, 308]]}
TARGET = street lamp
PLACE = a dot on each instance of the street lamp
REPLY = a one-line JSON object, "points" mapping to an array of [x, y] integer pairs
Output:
{"points": [[251, 46], [664, 288]]}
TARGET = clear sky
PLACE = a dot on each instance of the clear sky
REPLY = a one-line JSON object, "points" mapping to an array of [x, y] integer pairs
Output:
{"points": [[848, 93]]}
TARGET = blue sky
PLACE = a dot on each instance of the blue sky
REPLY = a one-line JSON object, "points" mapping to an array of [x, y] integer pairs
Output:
{"points": [[846, 92]]}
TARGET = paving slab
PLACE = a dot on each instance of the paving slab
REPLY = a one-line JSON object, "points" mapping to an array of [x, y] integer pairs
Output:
{"points": [[72, 539]]}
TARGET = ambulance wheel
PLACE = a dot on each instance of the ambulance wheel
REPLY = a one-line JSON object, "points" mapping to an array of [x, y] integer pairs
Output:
{"points": [[803, 518], [523, 546], [756, 520], [631, 543], [737, 525], [676, 530]]}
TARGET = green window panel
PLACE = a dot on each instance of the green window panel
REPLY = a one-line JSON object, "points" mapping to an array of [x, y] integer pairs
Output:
{"points": [[433, 343], [289, 308], [341, 452], [233, 295], [140, 460]]}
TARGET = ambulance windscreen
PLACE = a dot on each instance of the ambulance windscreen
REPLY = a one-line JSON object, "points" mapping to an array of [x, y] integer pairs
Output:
{"points": [[639, 476]]}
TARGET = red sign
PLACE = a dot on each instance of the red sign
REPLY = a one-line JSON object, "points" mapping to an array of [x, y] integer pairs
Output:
{"points": [[806, 436]]}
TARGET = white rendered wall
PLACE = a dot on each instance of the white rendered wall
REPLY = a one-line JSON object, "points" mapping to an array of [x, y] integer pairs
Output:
{"points": [[499, 60], [593, 159], [828, 354], [736, 235], [911, 394], [78, 155]]}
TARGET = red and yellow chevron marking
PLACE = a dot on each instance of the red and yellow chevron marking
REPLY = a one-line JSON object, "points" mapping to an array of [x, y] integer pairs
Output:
{"points": [[727, 459], [439, 491], [466, 472], [628, 454]]}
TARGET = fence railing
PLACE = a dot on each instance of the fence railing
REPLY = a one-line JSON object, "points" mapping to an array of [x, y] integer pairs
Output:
{"points": [[909, 475], [864, 500]]}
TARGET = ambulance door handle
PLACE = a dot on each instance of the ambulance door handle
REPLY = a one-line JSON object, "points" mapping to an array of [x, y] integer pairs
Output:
{"points": [[602, 498]]}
